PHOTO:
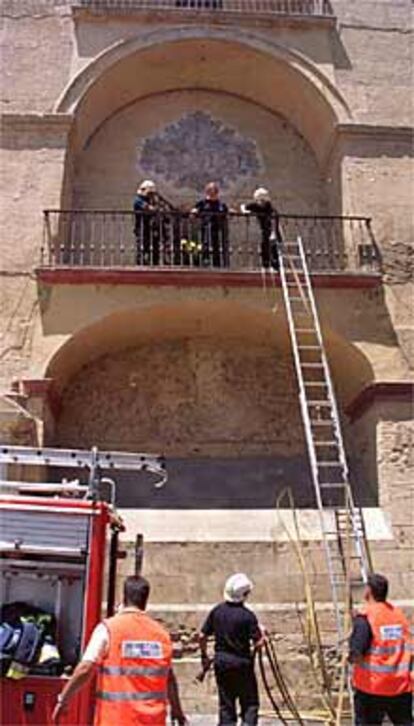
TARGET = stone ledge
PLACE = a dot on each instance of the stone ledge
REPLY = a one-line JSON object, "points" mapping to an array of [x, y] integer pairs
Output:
{"points": [[36, 121], [177, 526], [376, 130], [189, 278], [218, 16], [381, 390]]}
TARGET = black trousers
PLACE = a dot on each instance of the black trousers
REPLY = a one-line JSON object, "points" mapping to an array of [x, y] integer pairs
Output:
{"points": [[237, 686], [371, 710]]}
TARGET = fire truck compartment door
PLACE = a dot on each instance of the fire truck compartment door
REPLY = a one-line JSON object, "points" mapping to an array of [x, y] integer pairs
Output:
{"points": [[44, 531]]}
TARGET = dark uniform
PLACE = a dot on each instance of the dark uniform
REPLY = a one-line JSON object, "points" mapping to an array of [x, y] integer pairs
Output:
{"points": [[268, 220], [235, 629], [214, 232], [149, 228]]}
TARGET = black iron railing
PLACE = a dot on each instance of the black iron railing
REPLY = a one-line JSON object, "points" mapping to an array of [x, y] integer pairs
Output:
{"points": [[106, 238], [302, 8]]}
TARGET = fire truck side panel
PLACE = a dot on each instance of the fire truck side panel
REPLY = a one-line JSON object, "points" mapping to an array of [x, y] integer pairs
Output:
{"points": [[32, 700], [53, 557]]}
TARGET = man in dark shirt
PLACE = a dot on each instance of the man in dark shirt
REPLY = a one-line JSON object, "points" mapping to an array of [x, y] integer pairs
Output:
{"points": [[268, 220], [237, 634], [213, 214]]}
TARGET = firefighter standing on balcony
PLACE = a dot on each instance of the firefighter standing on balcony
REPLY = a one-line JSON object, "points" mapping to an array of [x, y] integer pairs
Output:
{"points": [[213, 215], [382, 656], [131, 654], [268, 219], [149, 224]]}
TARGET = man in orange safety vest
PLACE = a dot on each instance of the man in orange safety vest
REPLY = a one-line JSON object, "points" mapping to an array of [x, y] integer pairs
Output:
{"points": [[131, 655], [381, 652]]}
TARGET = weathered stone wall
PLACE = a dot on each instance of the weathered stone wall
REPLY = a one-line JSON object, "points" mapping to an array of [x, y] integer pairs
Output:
{"points": [[186, 397], [373, 65]]}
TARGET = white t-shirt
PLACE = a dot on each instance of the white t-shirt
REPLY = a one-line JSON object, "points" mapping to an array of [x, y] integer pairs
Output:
{"points": [[98, 645]]}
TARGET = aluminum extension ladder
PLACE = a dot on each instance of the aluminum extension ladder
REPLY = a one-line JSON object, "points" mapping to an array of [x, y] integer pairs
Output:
{"points": [[342, 525], [94, 461]]}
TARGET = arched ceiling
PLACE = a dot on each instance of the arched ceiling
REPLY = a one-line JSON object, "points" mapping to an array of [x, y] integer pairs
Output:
{"points": [[219, 320], [275, 78]]}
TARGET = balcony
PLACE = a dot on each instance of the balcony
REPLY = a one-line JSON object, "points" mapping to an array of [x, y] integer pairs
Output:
{"points": [[287, 8], [169, 241]]}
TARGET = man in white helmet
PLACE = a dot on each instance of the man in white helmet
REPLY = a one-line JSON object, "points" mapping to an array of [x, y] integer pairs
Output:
{"points": [[148, 224], [268, 220], [237, 635]]}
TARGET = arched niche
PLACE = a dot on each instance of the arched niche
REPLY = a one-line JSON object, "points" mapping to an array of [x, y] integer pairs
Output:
{"points": [[210, 385], [216, 60]]}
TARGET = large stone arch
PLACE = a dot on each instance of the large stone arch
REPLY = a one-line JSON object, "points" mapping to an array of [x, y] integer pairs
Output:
{"points": [[265, 72], [128, 327], [209, 384]]}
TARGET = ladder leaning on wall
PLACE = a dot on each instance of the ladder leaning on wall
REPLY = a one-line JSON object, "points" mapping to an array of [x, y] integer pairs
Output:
{"points": [[342, 525]]}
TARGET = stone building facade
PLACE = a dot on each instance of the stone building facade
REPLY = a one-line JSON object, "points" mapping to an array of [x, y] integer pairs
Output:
{"points": [[310, 99]]}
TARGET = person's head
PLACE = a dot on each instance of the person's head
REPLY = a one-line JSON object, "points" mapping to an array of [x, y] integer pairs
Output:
{"points": [[212, 191], [136, 591], [237, 588], [147, 188], [376, 588], [261, 195]]}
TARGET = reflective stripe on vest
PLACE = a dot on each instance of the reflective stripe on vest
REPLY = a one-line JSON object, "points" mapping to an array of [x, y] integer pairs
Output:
{"points": [[388, 649], [134, 670], [399, 668], [133, 696]]}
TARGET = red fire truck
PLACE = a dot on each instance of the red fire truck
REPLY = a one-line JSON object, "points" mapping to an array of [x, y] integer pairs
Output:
{"points": [[59, 553]]}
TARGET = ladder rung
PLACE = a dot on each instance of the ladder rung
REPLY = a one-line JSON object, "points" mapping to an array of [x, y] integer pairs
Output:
{"points": [[326, 422], [304, 364], [330, 463], [324, 403], [314, 383], [309, 347], [325, 443], [331, 484]]}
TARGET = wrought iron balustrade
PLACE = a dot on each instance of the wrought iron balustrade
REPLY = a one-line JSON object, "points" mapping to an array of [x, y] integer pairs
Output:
{"points": [[236, 242], [303, 8]]}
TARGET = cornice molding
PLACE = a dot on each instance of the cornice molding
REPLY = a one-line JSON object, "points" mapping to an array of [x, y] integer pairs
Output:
{"points": [[33, 122], [190, 278], [381, 390], [369, 133]]}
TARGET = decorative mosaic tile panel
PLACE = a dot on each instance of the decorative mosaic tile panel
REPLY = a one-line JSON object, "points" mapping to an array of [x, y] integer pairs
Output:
{"points": [[197, 149]]}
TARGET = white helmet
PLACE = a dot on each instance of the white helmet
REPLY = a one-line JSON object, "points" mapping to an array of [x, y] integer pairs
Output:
{"points": [[261, 195], [147, 186], [237, 588]]}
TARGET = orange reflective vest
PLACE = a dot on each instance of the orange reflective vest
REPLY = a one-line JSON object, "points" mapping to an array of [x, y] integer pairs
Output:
{"points": [[385, 668], [133, 677]]}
